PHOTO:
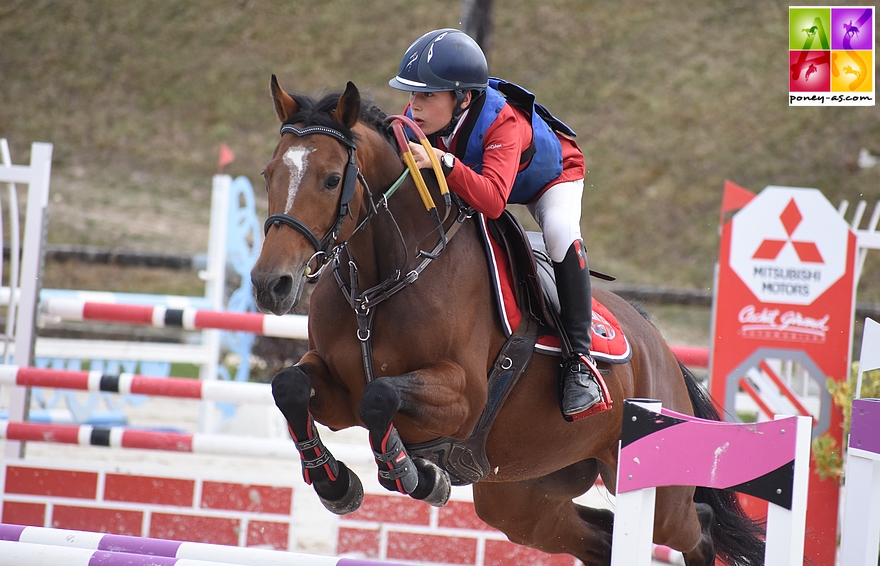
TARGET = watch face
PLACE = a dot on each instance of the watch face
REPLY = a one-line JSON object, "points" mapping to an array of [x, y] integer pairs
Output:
{"points": [[448, 160]]}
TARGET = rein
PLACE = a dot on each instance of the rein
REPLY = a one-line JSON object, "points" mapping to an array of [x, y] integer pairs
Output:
{"points": [[409, 159], [364, 303]]}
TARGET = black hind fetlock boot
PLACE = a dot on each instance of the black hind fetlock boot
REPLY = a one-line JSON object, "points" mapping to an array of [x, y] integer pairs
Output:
{"points": [[581, 386]]}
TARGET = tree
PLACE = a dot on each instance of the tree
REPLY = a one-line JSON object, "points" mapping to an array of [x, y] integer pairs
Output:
{"points": [[476, 21]]}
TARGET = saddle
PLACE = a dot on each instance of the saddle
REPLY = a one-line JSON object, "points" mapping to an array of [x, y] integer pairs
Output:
{"points": [[524, 281], [525, 290]]}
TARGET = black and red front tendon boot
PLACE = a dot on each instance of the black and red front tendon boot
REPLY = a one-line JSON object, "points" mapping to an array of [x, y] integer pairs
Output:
{"points": [[338, 488], [314, 454], [397, 471]]}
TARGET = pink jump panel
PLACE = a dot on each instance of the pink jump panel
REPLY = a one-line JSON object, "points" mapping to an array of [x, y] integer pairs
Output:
{"points": [[504, 553], [363, 542], [268, 534], [460, 515], [443, 549], [721, 454]]}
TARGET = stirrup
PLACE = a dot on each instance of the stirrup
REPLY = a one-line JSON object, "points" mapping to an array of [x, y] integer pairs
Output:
{"points": [[603, 404]]}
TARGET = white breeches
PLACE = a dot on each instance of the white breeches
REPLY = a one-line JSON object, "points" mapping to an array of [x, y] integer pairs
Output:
{"points": [[558, 213]]}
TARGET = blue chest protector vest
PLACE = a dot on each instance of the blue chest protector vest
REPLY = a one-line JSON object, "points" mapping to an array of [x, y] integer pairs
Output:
{"points": [[545, 150]]}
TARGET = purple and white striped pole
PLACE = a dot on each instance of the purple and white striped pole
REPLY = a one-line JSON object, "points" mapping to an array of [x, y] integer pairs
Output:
{"points": [[37, 546]]}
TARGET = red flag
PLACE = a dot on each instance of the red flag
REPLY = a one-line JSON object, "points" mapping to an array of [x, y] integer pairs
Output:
{"points": [[226, 157], [734, 198]]}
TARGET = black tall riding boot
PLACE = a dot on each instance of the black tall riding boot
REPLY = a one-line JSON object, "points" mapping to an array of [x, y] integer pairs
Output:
{"points": [[580, 378]]}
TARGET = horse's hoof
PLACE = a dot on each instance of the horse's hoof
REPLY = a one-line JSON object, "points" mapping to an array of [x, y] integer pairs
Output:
{"points": [[442, 486], [353, 498]]}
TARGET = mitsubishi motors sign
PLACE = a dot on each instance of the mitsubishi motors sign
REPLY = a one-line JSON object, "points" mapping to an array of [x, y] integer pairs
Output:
{"points": [[785, 296], [789, 245]]}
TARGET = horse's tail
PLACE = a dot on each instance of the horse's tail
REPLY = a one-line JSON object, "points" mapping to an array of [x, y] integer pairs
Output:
{"points": [[738, 540]]}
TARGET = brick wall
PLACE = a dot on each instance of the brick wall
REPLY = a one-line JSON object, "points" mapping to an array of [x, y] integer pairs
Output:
{"points": [[389, 526], [401, 528], [162, 507]]}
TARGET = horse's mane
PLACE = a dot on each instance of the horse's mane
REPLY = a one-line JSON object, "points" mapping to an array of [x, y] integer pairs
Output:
{"points": [[316, 112]]}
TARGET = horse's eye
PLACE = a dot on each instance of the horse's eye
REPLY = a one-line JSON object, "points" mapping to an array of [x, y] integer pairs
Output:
{"points": [[333, 181], [265, 180]]}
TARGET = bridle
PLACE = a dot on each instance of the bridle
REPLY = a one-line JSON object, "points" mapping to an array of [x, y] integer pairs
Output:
{"points": [[350, 177], [364, 301]]}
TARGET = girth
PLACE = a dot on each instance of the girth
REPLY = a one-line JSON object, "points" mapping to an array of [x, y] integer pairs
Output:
{"points": [[466, 460]]}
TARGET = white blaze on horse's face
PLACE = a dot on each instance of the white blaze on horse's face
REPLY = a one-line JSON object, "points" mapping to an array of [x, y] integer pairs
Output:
{"points": [[296, 158]]}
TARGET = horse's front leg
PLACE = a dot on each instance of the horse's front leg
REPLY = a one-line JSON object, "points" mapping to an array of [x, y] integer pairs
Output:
{"points": [[339, 489], [433, 398]]}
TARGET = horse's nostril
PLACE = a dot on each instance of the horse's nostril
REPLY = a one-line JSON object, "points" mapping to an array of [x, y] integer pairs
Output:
{"points": [[282, 287]]}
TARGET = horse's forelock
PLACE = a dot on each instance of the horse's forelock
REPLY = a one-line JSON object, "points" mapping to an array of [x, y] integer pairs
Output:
{"points": [[316, 112]]}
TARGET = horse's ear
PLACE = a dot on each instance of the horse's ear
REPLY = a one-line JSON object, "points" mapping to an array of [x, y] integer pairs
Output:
{"points": [[285, 106], [348, 109]]}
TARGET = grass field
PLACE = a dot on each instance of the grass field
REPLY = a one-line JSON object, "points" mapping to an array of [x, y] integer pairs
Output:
{"points": [[670, 99]]}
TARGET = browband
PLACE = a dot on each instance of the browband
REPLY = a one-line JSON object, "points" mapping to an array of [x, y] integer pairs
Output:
{"points": [[292, 129]]}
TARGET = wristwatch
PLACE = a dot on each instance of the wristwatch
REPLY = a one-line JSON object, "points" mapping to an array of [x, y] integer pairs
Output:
{"points": [[447, 162]]}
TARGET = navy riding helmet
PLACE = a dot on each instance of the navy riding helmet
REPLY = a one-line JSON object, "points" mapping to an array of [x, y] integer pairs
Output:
{"points": [[440, 60]]}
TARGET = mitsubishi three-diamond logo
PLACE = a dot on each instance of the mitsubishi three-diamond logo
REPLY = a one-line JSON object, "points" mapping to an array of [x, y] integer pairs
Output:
{"points": [[807, 252], [788, 246]]}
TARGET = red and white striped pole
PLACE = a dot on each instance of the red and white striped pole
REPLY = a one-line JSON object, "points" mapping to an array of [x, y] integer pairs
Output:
{"points": [[197, 443], [287, 326], [133, 384]]}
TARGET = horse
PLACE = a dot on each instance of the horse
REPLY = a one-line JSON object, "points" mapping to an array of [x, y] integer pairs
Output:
{"points": [[401, 340], [810, 70], [848, 70]]}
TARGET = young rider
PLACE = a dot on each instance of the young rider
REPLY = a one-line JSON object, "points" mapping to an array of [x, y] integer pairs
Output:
{"points": [[491, 157]]}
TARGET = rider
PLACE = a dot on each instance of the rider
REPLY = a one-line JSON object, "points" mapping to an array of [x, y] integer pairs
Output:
{"points": [[490, 157]]}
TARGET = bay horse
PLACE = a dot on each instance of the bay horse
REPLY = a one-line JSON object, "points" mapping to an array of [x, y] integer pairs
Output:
{"points": [[402, 338]]}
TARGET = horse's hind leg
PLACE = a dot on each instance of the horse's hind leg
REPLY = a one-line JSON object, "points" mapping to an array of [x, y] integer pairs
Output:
{"points": [[540, 513], [339, 488]]}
